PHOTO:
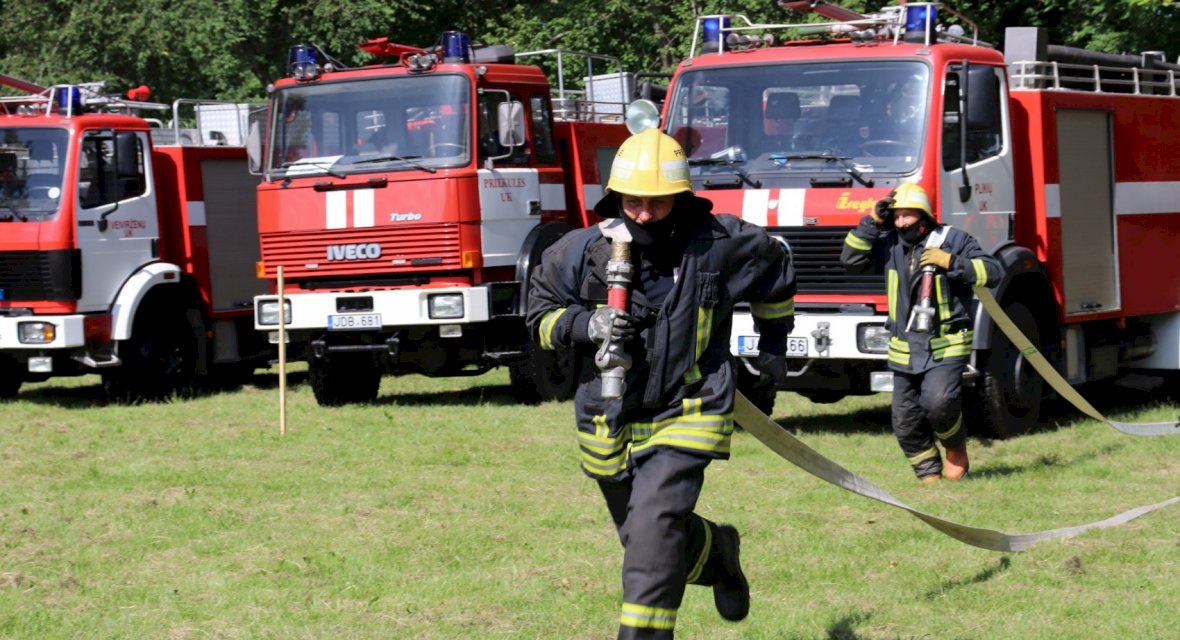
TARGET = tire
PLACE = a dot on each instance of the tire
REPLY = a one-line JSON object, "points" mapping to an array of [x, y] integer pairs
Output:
{"points": [[543, 376], [159, 361], [1011, 393], [749, 385], [344, 378], [11, 378]]}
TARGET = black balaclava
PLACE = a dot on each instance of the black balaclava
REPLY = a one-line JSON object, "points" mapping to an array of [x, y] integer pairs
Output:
{"points": [[652, 233], [915, 233]]}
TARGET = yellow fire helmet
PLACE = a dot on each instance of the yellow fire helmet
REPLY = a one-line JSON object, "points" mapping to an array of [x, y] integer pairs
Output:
{"points": [[912, 196], [649, 164]]}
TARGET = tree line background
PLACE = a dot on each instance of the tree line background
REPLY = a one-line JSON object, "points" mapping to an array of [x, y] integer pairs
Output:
{"points": [[231, 49]]}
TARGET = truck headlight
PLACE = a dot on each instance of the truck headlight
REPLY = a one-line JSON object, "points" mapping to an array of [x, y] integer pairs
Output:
{"points": [[268, 312], [872, 338], [445, 305], [36, 332]]}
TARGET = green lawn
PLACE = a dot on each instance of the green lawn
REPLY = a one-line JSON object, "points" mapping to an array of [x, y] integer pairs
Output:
{"points": [[444, 510]]}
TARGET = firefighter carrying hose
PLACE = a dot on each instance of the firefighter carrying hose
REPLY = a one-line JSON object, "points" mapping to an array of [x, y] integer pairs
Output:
{"points": [[648, 449], [930, 270]]}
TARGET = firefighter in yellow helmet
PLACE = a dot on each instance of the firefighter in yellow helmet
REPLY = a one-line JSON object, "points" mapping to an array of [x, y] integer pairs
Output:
{"points": [[930, 328], [648, 450]]}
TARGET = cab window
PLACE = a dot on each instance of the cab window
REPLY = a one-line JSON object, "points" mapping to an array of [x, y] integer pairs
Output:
{"points": [[489, 133]]}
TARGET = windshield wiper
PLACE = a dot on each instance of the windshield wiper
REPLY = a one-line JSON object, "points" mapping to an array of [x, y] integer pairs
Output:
{"points": [[319, 165], [406, 159], [729, 162], [828, 157], [12, 213]]}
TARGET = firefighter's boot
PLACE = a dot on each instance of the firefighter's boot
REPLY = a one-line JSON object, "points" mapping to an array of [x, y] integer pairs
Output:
{"points": [[956, 463], [731, 593]]}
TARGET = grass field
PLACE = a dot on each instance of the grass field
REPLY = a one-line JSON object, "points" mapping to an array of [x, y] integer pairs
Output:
{"points": [[445, 510]]}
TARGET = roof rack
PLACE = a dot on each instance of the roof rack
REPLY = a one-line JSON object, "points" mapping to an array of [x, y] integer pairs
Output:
{"points": [[75, 99], [915, 20]]}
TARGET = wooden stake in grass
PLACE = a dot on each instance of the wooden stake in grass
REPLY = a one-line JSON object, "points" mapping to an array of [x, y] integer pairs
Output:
{"points": [[282, 356]]}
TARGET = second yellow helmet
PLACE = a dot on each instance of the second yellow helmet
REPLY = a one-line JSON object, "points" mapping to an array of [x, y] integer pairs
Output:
{"points": [[912, 196]]}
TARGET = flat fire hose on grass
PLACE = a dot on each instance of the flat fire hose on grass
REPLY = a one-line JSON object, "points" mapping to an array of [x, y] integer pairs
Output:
{"points": [[1060, 384], [796, 452]]}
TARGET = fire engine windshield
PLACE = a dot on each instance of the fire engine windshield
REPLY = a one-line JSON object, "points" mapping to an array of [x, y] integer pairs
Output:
{"points": [[406, 123], [771, 122], [32, 163]]}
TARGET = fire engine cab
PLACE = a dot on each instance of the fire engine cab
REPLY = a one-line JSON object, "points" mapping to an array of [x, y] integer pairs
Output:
{"points": [[125, 250], [407, 202], [1065, 163]]}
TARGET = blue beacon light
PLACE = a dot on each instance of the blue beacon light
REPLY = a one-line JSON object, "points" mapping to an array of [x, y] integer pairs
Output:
{"points": [[712, 30], [303, 62], [456, 44], [917, 20], [69, 100]]}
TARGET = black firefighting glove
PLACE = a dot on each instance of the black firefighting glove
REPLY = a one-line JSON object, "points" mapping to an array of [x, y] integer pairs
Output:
{"points": [[772, 370], [882, 214], [609, 321]]}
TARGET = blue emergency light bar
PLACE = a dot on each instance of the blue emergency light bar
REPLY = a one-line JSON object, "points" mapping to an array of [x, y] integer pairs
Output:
{"points": [[69, 100], [302, 62], [712, 31], [456, 47], [918, 19]]}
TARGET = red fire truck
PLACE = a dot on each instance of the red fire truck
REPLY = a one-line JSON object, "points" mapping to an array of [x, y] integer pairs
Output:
{"points": [[1065, 163], [407, 202], [117, 255]]}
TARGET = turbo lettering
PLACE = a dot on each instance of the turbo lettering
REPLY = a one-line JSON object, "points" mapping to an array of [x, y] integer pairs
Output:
{"points": [[368, 251], [404, 217], [860, 206]]}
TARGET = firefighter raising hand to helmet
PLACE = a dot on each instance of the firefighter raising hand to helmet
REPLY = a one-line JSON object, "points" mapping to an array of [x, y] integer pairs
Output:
{"points": [[930, 271], [648, 449]]}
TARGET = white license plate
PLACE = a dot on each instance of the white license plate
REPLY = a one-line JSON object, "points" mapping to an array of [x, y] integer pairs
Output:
{"points": [[796, 347], [345, 322]]}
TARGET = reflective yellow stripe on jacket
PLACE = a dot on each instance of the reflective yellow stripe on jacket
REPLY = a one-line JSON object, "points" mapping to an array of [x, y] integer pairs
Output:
{"points": [[773, 310], [860, 244], [891, 293], [899, 351], [603, 455], [952, 346], [694, 431], [980, 271], [704, 334], [548, 322]]}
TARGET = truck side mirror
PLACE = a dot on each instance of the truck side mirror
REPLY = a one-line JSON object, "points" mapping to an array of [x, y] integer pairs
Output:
{"points": [[981, 110], [510, 123], [254, 149]]}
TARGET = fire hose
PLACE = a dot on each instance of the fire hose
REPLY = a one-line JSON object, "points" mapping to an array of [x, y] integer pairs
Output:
{"points": [[611, 359], [796, 452]]}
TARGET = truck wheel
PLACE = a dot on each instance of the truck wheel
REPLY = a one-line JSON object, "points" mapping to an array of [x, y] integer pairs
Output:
{"points": [[747, 382], [159, 360], [11, 378], [1011, 391], [344, 378], [544, 375]]}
